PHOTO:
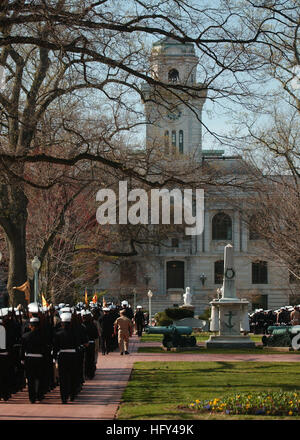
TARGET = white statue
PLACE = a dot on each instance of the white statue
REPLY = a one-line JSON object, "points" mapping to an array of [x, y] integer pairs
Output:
{"points": [[187, 297]]}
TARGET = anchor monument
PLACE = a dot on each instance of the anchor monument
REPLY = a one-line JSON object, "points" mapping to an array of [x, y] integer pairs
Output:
{"points": [[229, 314]]}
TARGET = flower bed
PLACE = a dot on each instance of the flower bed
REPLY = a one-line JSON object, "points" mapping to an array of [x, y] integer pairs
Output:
{"points": [[268, 403]]}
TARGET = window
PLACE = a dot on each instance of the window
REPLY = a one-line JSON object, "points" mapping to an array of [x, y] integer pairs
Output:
{"points": [[175, 275], [221, 227], [167, 142], [253, 229], [173, 75], [174, 138], [219, 271], [175, 242], [181, 141], [128, 272], [260, 272]]}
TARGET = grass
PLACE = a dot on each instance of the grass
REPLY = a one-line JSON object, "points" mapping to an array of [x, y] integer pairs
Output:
{"points": [[203, 350], [163, 390]]}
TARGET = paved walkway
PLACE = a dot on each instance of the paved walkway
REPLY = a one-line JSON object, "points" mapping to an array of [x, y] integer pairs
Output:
{"points": [[100, 397]]}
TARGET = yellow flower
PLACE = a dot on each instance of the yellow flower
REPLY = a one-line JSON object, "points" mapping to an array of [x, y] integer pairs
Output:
{"points": [[197, 401]]}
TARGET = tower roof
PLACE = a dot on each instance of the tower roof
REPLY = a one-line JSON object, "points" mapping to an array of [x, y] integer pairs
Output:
{"points": [[171, 46]]}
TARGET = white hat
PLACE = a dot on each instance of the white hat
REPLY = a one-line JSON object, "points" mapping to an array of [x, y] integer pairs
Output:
{"points": [[124, 303], [33, 307], [106, 309], [66, 317], [61, 305], [139, 307], [3, 312], [34, 320], [65, 310]]}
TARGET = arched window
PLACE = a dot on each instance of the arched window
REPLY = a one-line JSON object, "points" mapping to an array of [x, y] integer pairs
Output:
{"points": [[181, 141], [219, 271], [173, 140], [167, 142], [175, 275], [173, 75], [260, 272], [221, 227]]}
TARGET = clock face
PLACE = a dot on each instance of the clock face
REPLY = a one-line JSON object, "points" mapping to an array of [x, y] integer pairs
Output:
{"points": [[174, 115]]}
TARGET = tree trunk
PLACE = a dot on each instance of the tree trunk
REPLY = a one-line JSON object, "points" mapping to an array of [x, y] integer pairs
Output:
{"points": [[13, 219]]}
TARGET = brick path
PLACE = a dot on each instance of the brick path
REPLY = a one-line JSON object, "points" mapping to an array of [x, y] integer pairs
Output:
{"points": [[100, 397]]}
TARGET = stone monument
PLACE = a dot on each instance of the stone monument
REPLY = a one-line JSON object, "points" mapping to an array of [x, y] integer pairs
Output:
{"points": [[187, 298], [229, 314]]}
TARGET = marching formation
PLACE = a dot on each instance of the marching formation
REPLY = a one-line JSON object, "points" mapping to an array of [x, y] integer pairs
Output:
{"points": [[261, 319], [45, 347]]}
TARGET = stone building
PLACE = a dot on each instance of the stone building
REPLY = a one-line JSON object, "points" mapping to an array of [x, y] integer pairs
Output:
{"points": [[194, 261]]}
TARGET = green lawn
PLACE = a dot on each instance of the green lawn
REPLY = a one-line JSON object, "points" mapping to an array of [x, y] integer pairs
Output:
{"points": [[159, 390], [203, 350]]}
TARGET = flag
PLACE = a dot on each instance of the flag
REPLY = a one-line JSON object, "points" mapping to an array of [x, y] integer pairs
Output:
{"points": [[26, 289], [104, 302], [44, 302], [95, 299], [86, 297]]}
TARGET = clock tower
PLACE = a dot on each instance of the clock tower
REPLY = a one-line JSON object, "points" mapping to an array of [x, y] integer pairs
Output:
{"points": [[173, 108]]}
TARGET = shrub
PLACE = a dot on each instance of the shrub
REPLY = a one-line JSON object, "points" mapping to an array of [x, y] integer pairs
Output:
{"points": [[177, 313], [162, 319], [205, 315]]}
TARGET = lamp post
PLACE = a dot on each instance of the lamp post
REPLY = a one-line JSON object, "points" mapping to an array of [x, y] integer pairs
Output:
{"points": [[134, 299], [150, 294], [36, 264]]}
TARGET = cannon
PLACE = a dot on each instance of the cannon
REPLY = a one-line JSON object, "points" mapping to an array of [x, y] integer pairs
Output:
{"points": [[174, 336], [280, 336]]}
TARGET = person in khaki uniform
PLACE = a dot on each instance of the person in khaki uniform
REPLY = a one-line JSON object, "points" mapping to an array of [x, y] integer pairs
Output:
{"points": [[124, 327]]}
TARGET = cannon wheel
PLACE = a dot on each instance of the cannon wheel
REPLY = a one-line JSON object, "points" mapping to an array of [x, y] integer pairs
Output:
{"points": [[167, 341]]}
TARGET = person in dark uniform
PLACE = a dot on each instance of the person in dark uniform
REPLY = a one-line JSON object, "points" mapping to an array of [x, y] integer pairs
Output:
{"points": [[128, 310], [83, 341], [33, 354], [65, 352], [107, 329], [139, 320], [5, 391], [92, 332]]}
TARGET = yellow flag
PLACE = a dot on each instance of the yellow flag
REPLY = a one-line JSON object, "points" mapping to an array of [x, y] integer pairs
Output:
{"points": [[44, 302], [26, 289], [95, 299], [104, 302], [86, 297]]}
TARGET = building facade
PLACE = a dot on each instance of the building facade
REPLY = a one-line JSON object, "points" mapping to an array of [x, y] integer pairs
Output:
{"points": [[173, 126]]}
